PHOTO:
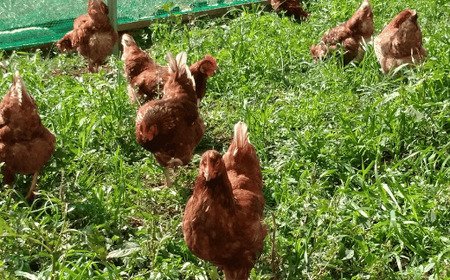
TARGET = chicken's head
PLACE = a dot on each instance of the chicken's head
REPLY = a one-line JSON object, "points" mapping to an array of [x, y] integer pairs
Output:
{"points": [[211, 165], [147, 133], [97, 6], [318, 51], [209, 65], [65, 44]]}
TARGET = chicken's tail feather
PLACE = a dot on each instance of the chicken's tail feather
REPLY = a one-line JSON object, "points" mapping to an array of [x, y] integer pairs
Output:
{"points": [[365, 3], [179, 67], [242, 158], [127, 40], [241, 135], [19, 91], [181, 59], [365, 6], [414, 15]]}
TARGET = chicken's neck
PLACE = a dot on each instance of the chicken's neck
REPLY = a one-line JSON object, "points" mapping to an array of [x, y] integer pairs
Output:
{"points": [[200, 83], [220, 190]]}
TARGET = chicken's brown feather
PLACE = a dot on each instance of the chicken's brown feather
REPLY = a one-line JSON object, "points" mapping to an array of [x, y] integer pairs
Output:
{"points": [[176, 120], [92, 36], [400, 42], [25, 144], [147, 78], [222, 221], [291, 7], [349, 35]]}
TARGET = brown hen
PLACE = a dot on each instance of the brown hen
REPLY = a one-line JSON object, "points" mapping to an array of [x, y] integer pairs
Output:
{"points": [[171, 127], [147, 78], [222, 221], [292, 8], [349, 35], [92, 36], [400, 42], [25, 144]]}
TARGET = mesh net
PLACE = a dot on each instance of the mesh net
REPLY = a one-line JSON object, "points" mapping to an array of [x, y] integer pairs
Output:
{"points": [[36, 22]]}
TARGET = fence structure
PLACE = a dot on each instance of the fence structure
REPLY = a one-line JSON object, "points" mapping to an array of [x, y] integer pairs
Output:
{"points": [[37, 22]]}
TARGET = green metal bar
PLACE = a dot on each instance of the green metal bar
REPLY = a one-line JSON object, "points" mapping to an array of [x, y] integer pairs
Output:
{"points": [[112, 6]]}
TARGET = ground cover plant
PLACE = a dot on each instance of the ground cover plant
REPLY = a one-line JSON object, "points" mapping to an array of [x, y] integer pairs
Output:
{"points": [[355, 163]]}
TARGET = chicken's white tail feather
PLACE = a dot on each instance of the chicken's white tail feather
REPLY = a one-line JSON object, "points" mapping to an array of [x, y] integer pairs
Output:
{"points": [[182, 64], [172, 62], [127, 38], [241, 135], [365, 3], [19, 87], [179, 65], [181, 59]]}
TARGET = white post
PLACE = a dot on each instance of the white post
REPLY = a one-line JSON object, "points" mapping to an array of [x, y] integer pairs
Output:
{"points": [[112, 6]]}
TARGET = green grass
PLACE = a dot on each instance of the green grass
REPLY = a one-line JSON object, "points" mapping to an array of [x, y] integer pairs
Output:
{"points": [[355, 163]]}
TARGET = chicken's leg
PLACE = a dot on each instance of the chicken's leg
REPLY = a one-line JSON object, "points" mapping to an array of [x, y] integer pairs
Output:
{"points": [[173, 163], [8, 175], [169, 182], [93, 66], [31, 195]]}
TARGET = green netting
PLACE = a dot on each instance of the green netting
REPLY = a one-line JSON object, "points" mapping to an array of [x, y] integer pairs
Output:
{"points": [[28, 23]]}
